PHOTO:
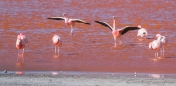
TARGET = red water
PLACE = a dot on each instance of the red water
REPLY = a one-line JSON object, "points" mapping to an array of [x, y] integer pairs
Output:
{"points": [[91, 47]]}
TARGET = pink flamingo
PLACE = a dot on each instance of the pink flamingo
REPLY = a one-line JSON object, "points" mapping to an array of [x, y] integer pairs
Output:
{"points": [[21, 42], [119, 32], [57, 41], [163, 41], [155, 45], [69, 21]]}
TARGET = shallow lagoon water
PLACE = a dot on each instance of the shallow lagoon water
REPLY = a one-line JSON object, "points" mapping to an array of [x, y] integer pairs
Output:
{"points": [[91, 47]]}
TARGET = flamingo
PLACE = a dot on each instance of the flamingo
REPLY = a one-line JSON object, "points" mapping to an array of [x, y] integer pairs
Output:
{"points": [[117, 33], [57, 41], [69, 21], [155, 45], [163, 41], [21, 42], [142, 32]]}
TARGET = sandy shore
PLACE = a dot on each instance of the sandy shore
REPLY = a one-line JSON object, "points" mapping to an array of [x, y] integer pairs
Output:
{"points": [[85, 79]]}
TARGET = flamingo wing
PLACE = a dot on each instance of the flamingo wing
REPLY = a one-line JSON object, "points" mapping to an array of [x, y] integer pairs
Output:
{"points": [[57, 18], [79, 21], [127, 28], [104, 24]]}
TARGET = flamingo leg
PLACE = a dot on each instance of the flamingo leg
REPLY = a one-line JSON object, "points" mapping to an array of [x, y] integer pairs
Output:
{"points": [[115, 42], [163, 51], [18, 55], [18, 52], [156, 54], [71, 32], [23, 52], [120, 42], [58, 50], [55, 50]]}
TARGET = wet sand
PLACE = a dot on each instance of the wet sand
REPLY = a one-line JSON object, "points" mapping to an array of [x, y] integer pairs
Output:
{"points": [[87, 79], [91, 47]]}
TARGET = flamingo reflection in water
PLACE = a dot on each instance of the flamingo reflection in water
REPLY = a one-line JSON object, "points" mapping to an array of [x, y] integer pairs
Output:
{"points": [[57, 41], [20, 44]]}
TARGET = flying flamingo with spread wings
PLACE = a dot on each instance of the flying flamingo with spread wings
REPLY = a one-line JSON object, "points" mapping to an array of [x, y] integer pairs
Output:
{"points": [[119, 32], [69, 21]]}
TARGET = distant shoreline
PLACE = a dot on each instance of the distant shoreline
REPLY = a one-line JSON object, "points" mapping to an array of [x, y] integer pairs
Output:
{"points": [[85, 73]]}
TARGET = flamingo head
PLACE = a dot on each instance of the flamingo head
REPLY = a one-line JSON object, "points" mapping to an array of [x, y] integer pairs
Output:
{"points": [[158, 35], [21, 33], [113, 17], [55, 34], [139, 26], [64, 15], [144, 31]]}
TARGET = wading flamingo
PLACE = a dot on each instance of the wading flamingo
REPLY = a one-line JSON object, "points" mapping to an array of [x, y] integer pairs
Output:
{"points": [[163, 41], [142, 32], [117, 33], [69, 21], [155, 45], [21, 42], [57, 41]]}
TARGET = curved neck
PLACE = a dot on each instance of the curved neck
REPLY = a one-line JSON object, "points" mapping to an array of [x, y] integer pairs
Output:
{"points": [[159, 38], [114, 23], [65, 16]]}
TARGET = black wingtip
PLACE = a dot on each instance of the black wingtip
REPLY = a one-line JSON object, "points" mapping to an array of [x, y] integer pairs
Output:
{"points": [[95, 21], [88, 23], [49, 18]]}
